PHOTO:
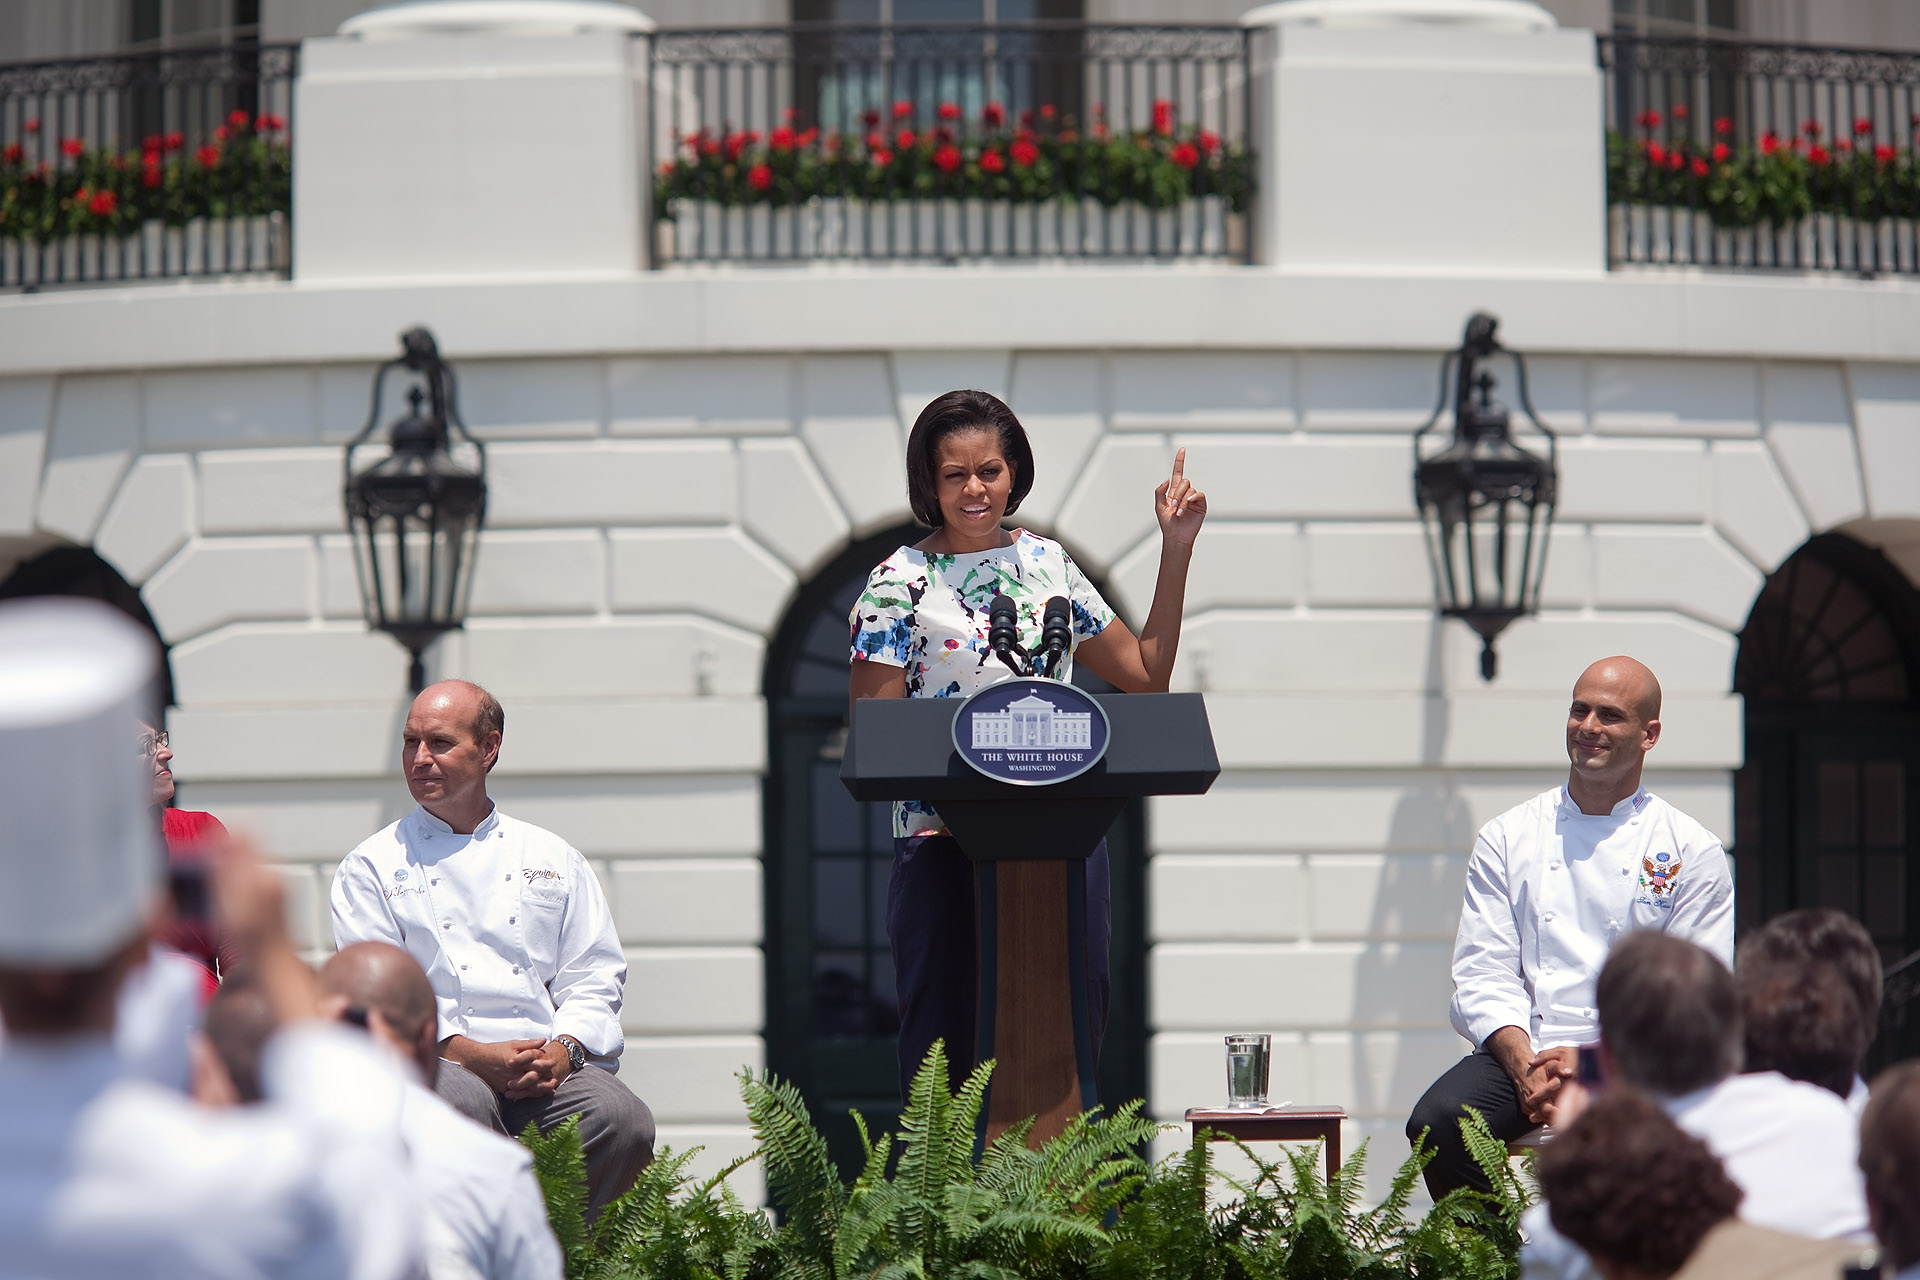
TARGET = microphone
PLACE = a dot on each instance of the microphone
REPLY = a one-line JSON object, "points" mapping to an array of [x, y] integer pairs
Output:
{"points": [[1003, 632], [1056, 634]]}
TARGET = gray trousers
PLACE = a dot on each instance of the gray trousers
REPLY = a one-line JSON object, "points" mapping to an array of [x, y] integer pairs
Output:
{"points": [[616, 1128]]}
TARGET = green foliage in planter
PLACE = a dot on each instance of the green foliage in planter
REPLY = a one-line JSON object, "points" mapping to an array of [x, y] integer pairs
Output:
{"points": [[247, 171], [1158, 168], [1084, 1206], [1772, 180]]}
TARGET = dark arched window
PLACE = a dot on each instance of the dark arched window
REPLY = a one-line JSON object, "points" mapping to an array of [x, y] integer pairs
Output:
{"points": [[832, 1016], [1829, 666]]}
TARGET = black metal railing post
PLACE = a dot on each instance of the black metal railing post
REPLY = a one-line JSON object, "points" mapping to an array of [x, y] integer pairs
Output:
{"points": [[1757, 156], [174, 162], [949, 142]]}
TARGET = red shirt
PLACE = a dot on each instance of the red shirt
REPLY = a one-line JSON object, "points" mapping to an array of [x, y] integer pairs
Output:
{"points": [[187, 833]]}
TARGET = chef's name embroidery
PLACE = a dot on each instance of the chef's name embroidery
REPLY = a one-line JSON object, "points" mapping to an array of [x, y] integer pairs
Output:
{"points": [[1659, 874], [540, 873]]}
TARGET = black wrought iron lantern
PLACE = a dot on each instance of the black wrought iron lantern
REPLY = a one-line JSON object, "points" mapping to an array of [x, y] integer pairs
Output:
{"points": [[1486, 503], [415, 514]]}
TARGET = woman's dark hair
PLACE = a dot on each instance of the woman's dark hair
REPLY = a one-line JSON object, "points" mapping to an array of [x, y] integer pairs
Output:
{"points": [[1629, 1186], [1803, 1021], [963, 411]]}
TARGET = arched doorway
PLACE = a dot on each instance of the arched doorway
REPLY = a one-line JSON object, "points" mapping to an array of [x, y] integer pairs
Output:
{"points": [[77, 571], [1824, 807], [831, 1014]]}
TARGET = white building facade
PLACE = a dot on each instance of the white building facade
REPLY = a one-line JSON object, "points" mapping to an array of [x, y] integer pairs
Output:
{"points": [[680, 461]]}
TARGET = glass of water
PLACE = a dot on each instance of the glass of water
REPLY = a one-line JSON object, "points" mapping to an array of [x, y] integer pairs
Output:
{"points": [[1247, 1060]]}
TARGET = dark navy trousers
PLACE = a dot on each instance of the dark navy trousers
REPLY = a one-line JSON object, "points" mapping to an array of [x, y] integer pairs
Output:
{"points": [[930, 924]]}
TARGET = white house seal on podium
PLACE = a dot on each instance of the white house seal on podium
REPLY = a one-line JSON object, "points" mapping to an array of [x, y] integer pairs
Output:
{"points": [[1031, 732]]}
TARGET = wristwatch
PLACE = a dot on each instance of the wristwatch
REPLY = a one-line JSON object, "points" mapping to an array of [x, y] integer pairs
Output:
{"points": [[576, 1053]]}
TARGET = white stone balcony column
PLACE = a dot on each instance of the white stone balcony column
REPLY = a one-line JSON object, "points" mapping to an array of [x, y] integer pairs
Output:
{"points": [[1416, 136], [472, 139]]}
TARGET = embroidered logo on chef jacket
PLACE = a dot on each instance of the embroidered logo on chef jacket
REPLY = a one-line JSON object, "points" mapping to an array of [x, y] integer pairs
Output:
{"points": [[1659, 873], [540, 873]]}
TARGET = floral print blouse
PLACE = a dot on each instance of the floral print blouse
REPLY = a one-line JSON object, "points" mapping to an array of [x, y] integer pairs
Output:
{"points": [[928, 614]]}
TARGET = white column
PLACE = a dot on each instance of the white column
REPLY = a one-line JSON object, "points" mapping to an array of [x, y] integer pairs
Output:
{"points": [[1427, 135], [472, 139]]}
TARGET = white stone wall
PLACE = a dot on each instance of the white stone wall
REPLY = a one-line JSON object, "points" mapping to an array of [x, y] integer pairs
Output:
{"points": [[653, 514]]}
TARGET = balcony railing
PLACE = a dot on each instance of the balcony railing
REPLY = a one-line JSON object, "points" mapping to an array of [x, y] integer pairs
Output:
{"points": [[1757, 156], [144, 166], [952, 142]]}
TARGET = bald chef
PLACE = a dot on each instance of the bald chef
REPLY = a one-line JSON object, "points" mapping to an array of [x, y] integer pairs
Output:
{"points": [[1550, 886], [515, 936], [103, 1174]]}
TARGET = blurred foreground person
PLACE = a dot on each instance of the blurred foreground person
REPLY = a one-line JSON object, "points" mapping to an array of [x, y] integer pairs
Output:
{"points": [[1890, 1158], [1670, 1028], [516, 939], [103, 1174], [1648, 1201], [1798, 940], [485, 1212]]}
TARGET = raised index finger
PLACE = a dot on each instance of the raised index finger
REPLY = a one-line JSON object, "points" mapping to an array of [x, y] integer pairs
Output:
{"points": [[1179, 462]]}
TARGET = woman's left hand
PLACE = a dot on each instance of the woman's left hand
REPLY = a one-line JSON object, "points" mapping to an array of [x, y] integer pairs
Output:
{"points": [[1180, 507]]}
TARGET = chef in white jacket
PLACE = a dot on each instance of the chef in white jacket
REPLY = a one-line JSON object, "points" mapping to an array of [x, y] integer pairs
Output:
{"points": [[1551, 885], [516, 937], [102, 1173]]}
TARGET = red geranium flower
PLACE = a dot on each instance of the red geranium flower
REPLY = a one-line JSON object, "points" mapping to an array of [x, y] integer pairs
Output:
{"points": [[880, 156], [1162, 116], [1100, 131], [1209, 142], [781, 139], [1699, 167], [875, 142], [812, 135], [870, 118], [1679, 111], [222, 133], [946, 159], [666, 168], [1722, 152], [175, 141], [1026, 118], [1884, 153], [902, 109], [949, 111], [993, 115], [1863, 124], [1656, 153], [207, 157], [12, 153], [790, 114], [150, 175], [1185, 155], [904, 140], [1047, 113], [760, 177], [238, 118], [992, 162], [1024, 153], [709, 147], [1811, 128], [1723, 125], [33, 125], [1842, 144], [1769, 143], [103, 204], [72, 147], [1819, 154], [736, 143], [152, 143], [1676, 161], [270, 123], [1648, 119]]}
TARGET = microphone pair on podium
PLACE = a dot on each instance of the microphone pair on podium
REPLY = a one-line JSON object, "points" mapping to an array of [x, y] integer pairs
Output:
{"points": [[1056, 637]]}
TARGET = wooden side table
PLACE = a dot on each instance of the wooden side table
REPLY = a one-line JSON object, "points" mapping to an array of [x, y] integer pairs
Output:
{"points": [[1295, 1122]]}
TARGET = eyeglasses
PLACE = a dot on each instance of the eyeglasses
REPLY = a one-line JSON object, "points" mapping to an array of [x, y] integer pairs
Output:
{"points": [[151, 744]]}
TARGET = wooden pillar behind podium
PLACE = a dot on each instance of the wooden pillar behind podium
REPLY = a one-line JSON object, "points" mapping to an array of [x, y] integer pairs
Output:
{"points": [[1029, 845]]}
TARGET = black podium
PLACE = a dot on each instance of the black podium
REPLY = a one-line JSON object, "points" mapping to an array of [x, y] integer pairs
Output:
{"points": [[1029, 846]]}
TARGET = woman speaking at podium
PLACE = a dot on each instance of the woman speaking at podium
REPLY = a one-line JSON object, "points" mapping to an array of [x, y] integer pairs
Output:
{"points": [[920, 631]]}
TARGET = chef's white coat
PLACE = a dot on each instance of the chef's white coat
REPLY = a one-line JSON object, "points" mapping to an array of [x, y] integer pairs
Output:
{"points": [[1550, 889], [486, 1216], [509, 924], [106, 1175]]}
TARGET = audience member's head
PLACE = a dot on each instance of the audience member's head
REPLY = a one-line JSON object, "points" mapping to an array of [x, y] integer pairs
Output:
{"points": [[1631, 1188], [1801, 1020], [238, 1024], [1821, 934], [1668, 1014], [379, 978], [1890, 1159]]}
